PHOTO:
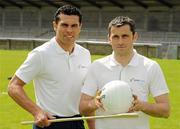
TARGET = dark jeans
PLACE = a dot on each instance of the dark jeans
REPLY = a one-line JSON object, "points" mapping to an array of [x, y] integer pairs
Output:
{"points": [[64, 125]]}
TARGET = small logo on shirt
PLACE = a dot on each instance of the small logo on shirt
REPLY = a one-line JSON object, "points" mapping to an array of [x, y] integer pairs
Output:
{"points": [[136, 80], [82, 66]]}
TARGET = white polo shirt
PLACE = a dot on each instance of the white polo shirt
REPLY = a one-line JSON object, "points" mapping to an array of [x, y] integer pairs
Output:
{"points": [[142, 74], [58, 76]]}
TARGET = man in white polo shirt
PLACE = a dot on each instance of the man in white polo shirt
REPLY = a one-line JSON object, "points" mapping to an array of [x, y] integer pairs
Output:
{"points": [[142, 74], [57, 68]]}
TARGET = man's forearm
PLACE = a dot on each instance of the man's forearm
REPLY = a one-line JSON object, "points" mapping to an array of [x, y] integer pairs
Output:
{"points": [[17, 94], [161, 107], [87, 107], [87, 104], [91, 122], [157, 109]]}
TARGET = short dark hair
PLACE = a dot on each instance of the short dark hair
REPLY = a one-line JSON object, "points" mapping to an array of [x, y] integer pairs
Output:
{"points": [[121, 21], [67, 10]]}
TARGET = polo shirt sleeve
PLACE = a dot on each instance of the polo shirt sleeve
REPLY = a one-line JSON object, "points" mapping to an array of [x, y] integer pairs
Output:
{"points": [[90, 86], [158, 85], [30, 68]]}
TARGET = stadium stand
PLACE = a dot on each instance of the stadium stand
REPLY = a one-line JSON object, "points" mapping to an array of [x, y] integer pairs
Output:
{"points": [[32, 18], [158, 21]]}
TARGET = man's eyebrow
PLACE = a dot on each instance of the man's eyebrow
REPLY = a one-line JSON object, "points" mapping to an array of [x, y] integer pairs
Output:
{"points": [[75, 24], [115, 35]]}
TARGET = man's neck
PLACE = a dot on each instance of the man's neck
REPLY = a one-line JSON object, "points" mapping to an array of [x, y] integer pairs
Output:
{"points": [[124, 59], [68, 47]]}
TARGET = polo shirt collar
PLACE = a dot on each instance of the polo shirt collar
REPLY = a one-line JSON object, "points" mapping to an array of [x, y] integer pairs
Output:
{"points": [[134, 61], [60, 50], [112, 60]]}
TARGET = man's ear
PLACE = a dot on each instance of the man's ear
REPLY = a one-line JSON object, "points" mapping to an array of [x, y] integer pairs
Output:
{"points": [[108, 38], [136, 36], [80, 25], [54, 26]]}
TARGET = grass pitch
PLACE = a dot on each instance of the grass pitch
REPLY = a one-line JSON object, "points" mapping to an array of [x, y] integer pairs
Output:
{"points": [[11, 114]]}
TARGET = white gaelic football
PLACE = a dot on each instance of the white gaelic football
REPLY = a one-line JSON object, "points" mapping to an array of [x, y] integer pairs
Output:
{"points": [[116, 97]]}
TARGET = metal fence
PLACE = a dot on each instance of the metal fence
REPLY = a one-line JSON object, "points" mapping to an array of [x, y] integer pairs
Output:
{"points": [[154, 50]]}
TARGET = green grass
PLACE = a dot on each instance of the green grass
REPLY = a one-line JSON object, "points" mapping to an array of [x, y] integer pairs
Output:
{"points": [[11, 114], [171, 69]]}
